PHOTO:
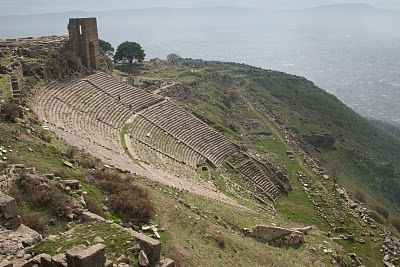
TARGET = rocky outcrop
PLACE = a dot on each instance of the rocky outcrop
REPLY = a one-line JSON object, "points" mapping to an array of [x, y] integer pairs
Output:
{"points": [[276, 236], [14, 236], [9, 216]]}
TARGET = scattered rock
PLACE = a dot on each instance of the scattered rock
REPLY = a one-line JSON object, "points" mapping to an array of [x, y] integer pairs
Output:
{"points": [[98, 239], [167, 262], [68, 164], [143, 261]]}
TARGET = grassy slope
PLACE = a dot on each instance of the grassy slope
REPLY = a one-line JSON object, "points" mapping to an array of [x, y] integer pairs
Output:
{"points": [[302, 107], [190, 237]]}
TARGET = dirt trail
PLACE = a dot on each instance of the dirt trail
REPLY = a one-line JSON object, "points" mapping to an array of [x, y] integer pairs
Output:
{"points": [[278, 135]]}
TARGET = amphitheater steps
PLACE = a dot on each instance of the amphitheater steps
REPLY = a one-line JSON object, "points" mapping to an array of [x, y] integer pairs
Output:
{"points": [[255, 174], [191, 131]]}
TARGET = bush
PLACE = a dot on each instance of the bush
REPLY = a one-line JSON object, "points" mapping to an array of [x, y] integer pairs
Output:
{"points": [[33, 220], [129, 201], [377, 218], [71, 152], [50, 197], [360, 196], [178, 255], [220, 239], [11, 111], [396, 224], [131, 207], [93, 206], [62, 173], [382, 211], [88, 163]]}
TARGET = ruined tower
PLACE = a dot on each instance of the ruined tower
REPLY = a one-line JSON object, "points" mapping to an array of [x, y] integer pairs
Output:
{"points": [[84, 40]]}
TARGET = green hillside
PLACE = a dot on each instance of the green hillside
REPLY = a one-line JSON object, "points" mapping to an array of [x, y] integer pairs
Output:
{"points": [[335, 170]]}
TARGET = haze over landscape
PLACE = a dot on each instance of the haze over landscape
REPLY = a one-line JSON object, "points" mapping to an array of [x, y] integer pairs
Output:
{"points": [[349, 50]]}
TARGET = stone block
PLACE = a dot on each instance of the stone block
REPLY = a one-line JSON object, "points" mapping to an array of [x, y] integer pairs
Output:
{"points": [[150, 246], [12, 223], [73, 184], [167, 262], [93, 256], [45, 260], [143, 260], [89, 216], [29, 236], [59, 261], [8, 206]]}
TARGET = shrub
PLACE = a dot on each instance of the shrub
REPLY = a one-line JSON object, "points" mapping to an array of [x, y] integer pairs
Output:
{"points": [[377, 218], [33, 220], [50, 198], [178, 255], [11, 111], [126, 199], [46, 136], [71, 152], [220, 239], [131, 207], [360, 196], [396, 224], [62, 173], [93, 206], [382, 211], [88, 163]]}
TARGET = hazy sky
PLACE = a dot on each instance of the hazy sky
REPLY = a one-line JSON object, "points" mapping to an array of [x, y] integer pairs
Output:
{"points": [[17, 7]]}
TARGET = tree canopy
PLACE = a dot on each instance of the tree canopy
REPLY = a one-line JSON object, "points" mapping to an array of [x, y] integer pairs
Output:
{"points": [[129, 51], [106, 47], [173, 58]]}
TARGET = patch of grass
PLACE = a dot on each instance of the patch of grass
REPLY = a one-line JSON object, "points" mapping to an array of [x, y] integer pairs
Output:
{"points": [[5, 86], [6, 62]]}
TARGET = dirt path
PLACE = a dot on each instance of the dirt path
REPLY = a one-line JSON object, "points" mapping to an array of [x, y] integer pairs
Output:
{"points": [[278, 135], [157, 91]]}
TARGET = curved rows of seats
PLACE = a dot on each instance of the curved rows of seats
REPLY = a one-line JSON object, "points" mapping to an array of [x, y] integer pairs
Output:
{"points": [[135, 99], [252, 171], [81, 108], [158, 159], [191, 131], [145, 131]]}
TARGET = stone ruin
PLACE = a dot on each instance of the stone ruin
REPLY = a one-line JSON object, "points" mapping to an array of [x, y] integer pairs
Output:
{"points": [[278, 236], [14, 236], [84, 41], [16, 77]]}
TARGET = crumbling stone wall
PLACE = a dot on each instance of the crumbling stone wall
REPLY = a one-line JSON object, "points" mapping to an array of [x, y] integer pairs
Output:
{"points": [[277, 236], [84, 41], [16, 77]]}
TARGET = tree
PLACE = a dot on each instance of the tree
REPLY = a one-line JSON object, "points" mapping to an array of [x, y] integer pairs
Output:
{"points": [[106, 47], [129, 51], [335, 169], [173, 58]]}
